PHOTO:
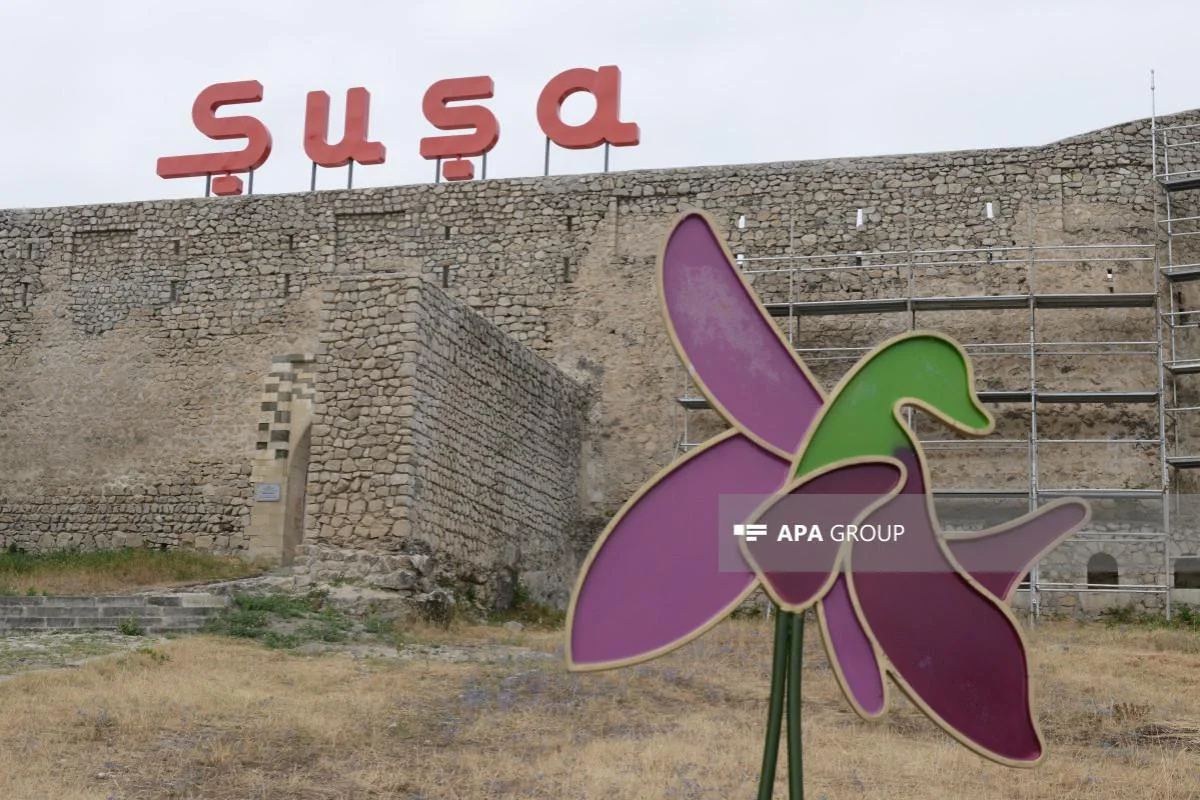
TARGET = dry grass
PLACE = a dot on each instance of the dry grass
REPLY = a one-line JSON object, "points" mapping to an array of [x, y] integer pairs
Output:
{"points": [[228, 720], [113, 571]]}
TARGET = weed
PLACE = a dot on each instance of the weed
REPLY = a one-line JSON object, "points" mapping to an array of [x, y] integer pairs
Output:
{"points": [[279, 604], [1188, 617], [330, 626], [1182, 618], [281, 641], [528, 611], [1120, 615], [132, 626], [252, 617]]}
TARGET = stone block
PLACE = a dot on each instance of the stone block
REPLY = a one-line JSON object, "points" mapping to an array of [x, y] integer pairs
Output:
{"points": [[202, 600], [400, 580], [123, 611]]}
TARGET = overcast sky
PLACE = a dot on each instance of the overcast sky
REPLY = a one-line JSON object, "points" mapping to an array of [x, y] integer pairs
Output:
{"points": [[95, 92]]}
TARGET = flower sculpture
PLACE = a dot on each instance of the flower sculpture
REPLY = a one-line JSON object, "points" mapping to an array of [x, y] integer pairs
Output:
{"points": [[926, 609]]}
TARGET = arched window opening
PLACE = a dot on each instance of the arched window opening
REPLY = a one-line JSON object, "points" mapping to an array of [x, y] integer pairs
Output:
{"points": [[1102, 570], [1187, 573]]}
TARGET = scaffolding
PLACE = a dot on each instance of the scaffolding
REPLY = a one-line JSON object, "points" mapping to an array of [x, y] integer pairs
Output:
{"points": [[782, 280], [1175, 153]]}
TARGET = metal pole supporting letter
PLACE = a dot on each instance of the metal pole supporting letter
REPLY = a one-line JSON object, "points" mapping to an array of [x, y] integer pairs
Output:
{"points": [[546, 165], [312, 181]]}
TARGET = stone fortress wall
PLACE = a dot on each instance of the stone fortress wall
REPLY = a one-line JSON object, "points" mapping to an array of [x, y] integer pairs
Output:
{"points": [[437, 435], [135, 338]]}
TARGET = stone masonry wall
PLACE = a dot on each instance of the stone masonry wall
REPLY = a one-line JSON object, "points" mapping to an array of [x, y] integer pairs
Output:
{"points": [[437, 434], [134, 338]]}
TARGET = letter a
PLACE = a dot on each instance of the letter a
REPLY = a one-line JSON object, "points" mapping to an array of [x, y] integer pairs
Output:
{"points": [[604, 85], [785, 535]]}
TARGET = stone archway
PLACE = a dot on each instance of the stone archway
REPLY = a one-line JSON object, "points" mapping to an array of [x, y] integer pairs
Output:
{"points": [[280, 471], [295, 493]]}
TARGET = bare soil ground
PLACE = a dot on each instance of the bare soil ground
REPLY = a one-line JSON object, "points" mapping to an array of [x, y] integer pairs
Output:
{"points": [[485, 712]]}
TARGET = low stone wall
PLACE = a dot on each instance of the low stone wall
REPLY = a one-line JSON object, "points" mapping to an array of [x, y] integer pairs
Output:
{"points": [[1092, 604], [154, 613]]}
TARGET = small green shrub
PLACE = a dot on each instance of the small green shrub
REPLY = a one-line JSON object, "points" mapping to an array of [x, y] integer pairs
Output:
{"points": [[330, 626], [132, 626], [528, 611], [281, 641]]}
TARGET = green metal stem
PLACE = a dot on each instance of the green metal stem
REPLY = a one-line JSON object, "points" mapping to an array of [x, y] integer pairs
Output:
{"points": [[794, 741], [766, 781]]}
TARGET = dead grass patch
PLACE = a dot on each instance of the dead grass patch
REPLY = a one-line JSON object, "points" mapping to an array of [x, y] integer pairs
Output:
{"points": [[223, 719], [113, 571]]}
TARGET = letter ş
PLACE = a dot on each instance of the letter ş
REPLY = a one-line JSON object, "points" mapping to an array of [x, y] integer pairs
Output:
{"points": [[487, 129], [253, 156], [604, 126]]}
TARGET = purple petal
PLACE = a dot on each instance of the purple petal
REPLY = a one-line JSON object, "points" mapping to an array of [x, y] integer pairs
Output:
{"points": [[998, 558], [796, 573], [743, 364], [955, 650], [658, 576], [851, 653]]}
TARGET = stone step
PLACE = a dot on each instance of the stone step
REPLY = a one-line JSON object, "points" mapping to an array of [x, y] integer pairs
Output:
{"points": [[157, 613]]}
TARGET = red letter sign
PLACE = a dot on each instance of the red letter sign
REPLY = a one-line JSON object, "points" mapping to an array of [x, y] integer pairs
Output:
{"points": [[255, 154], [354, 145], [604, 84], [487, 129]]}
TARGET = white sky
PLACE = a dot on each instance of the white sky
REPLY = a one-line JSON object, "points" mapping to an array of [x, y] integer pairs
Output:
{"points": [[94, 93]]}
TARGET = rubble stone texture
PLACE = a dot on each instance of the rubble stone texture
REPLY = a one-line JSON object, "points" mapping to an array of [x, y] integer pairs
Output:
{"points": [[135, 340], [438, 435]]}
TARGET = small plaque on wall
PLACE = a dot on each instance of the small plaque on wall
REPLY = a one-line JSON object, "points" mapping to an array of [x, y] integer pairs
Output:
{"points": [[267, 492]]}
